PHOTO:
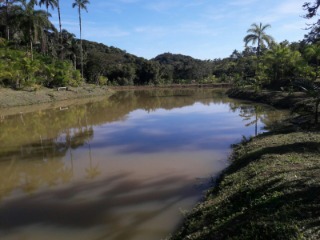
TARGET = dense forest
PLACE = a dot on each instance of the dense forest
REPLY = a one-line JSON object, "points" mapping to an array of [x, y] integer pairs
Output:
{"points": [[33, 52]]}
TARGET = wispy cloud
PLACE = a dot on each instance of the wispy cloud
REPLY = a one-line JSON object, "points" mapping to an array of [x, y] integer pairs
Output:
{"points": [[290, 7], [163, 5], [197, 28], [153, 31], [130, 1], [104, 32], [286, 9], [242, 2]]}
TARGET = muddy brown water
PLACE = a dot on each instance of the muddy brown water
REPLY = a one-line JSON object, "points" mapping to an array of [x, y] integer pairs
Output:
{"points": [[119, 168]]}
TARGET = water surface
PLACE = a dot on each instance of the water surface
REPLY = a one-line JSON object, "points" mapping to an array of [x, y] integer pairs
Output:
{"points": [[122, 168]]}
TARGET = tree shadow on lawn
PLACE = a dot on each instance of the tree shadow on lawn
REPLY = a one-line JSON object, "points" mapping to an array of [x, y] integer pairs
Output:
{"points": [[275, 210], [305, 147]]}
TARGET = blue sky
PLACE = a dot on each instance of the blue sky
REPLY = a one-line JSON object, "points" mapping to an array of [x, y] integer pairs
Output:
{"points": [[204, 29]]}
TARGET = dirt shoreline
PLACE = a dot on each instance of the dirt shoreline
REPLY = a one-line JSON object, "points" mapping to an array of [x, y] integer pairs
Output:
{"points": [[11, 98], [195, 85]]}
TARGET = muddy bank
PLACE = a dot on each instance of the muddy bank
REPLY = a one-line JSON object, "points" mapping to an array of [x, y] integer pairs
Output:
{"points": [[12, 98], [194, 85]]}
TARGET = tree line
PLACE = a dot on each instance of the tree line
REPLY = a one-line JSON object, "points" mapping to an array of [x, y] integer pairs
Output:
{"points": [[34, 52]]}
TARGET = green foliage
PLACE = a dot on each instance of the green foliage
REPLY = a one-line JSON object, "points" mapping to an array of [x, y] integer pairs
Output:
{"points": [[313, 91], [3, 42], [103, 80], [177, 66], [210, 79], [282, 65], [18, 70]]}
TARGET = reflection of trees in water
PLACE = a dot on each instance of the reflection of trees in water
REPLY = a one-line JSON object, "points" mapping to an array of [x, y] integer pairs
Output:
{"points": [[92, 171], [253, 113], [34, 144], [32, 166], [30, 175], [52, 123], [168, 99]]}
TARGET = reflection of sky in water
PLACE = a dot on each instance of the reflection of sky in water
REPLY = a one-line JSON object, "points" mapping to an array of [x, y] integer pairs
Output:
{"points": [[126, 180], [193, 128]]}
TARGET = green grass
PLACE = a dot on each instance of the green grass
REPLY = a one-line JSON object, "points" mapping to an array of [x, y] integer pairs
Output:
{"points": [[270, 191]]}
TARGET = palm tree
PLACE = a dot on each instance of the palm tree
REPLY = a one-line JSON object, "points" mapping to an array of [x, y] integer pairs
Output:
{"points": [[59, 15], [257, 34], [48, 3], [32, 21], [69, 47], [7, 20], [7, 12], [81, 4]]}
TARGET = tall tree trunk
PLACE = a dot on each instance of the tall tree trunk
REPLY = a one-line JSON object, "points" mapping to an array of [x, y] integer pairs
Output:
{"points": [[46, 50], [316, 111], [31, 43], [258, 56], [60, 27], [317, 70], [256, 122], [44, 43], [81, 51], [7, 21]]}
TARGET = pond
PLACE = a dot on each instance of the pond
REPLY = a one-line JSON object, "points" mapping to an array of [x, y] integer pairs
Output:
{"points": [[118, 168]]}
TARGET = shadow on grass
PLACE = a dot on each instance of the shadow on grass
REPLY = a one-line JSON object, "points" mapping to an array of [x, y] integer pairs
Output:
{"points": [[274, 210], [310, 147]]}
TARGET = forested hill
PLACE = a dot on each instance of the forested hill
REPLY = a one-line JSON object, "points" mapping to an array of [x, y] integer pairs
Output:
{"points": [[185, 67], [122, 68]]}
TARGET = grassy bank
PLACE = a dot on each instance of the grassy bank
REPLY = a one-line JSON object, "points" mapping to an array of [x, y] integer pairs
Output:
{"points": [[270, 191], [277, 99], [13, 98]]}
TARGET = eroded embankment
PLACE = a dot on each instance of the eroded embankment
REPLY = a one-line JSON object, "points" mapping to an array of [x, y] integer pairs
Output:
{"points": [[12, 98]]}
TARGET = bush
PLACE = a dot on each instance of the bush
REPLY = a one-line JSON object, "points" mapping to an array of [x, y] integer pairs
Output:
{"points": [[18, 70]]}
